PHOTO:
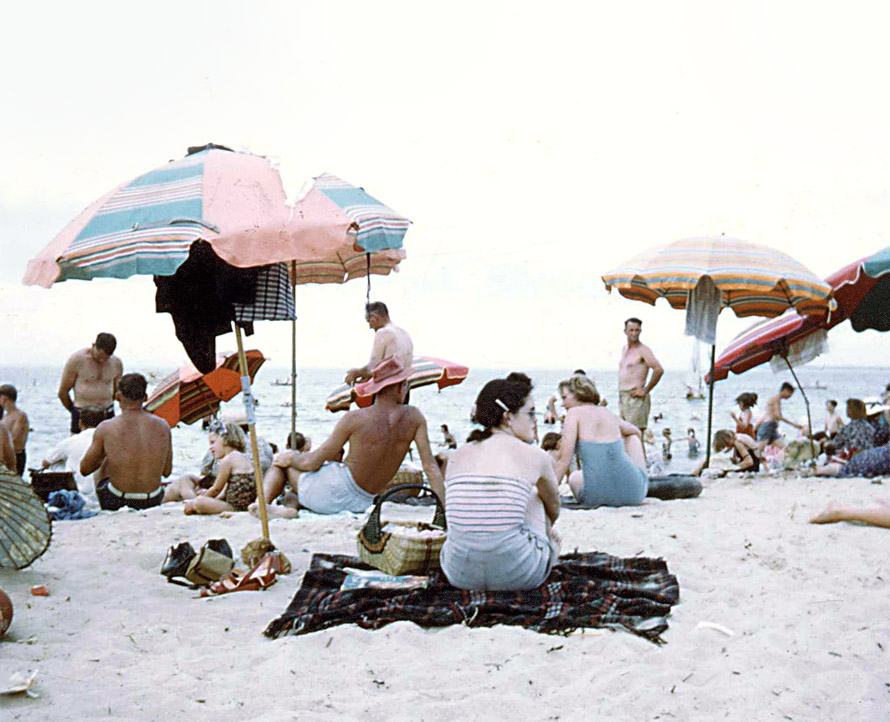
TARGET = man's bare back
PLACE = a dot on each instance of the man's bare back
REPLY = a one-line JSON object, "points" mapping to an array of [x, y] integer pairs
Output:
{"points": [[134, 450], [93, 382], [379, 439], [390, 341]]}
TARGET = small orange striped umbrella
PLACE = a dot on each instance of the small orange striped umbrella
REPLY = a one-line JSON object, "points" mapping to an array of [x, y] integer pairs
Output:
{"points": [[187, 395]]}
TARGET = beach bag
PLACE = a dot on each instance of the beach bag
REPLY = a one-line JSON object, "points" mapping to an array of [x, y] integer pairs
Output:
{"points": [[45, 483], [177, 561], [399, 548], [212, 563]]}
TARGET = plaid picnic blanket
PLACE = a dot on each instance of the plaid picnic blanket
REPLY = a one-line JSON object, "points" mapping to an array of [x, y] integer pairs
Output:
{"points": [[583, 590]]}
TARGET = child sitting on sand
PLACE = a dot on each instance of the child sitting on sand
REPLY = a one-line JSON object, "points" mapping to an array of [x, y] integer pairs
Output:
{"points": [[234, 488]]}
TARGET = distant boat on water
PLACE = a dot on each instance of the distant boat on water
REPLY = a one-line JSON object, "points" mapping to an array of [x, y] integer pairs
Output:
{"points": [[281, 382]]}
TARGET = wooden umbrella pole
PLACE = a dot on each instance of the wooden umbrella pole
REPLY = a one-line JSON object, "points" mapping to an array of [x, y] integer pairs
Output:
{"points": [[806, 402], [710, 405], [251, 424], [293, 354]]}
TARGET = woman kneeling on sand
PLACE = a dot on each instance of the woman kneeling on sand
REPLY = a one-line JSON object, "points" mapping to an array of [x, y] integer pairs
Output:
{"points": [[500, 496], [233, 489], [613, 467]]}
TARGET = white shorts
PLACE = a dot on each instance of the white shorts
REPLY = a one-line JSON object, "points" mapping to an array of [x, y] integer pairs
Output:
{"points": [[331, 490]]}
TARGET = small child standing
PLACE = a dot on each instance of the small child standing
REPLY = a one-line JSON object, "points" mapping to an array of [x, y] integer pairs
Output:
{"points": [[693, 443]]}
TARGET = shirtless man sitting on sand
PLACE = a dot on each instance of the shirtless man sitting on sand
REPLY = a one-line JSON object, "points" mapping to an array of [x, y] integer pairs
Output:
{"points": [[637, 360], [93, 373], [379, 437], [768, 426], [390, 341], [132, 451]]}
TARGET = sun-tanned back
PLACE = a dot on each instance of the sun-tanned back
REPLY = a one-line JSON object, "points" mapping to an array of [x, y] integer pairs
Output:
{"points": [[378, 442]]}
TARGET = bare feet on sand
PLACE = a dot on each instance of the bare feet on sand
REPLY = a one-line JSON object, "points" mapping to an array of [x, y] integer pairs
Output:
{"points": [[829, 515], [273, 511]]}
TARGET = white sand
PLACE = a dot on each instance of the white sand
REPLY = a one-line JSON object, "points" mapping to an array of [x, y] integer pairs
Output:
{"points": [[807, 605]]}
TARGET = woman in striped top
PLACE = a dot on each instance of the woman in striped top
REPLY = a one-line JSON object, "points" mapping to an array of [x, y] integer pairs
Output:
{"points": [[501, 496]]}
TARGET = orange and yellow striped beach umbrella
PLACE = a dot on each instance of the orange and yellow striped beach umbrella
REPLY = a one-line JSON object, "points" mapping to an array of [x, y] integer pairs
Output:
{"points": [[754, 280]]}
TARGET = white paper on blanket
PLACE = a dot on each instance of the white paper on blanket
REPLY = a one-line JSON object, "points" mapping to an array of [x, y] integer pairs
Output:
{"points": [[802, 352], [365, 578], [408, 529], [702, 309]]}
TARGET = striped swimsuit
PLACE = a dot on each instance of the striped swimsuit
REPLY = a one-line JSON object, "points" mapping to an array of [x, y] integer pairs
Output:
{"points": [[489, 545]]}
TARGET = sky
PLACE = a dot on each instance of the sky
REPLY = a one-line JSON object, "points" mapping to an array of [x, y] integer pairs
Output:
{"points": [[534, 147]]}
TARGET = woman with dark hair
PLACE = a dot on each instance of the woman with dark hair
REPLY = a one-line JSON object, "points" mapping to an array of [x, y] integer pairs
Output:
{"points": [[743, 425], [501, 496], [858, 435], [613, 465]]}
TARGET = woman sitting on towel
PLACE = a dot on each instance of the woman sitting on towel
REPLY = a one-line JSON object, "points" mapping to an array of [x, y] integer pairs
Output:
{"points": [[501, 496], [613, 467]]}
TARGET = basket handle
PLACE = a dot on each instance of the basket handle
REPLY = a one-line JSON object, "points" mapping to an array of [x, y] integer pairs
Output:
{"points": [[372, 532]]}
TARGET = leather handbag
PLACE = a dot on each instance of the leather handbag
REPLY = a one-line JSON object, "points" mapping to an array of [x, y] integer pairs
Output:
{"points": [[402, 547], [187, 568]]}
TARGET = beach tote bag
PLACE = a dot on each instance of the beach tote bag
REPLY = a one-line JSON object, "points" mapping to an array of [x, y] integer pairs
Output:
{"points": [[212, 563], [402, 547]]}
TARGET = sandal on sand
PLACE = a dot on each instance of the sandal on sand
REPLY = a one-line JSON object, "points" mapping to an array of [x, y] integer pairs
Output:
{"points": [[263, 575]]}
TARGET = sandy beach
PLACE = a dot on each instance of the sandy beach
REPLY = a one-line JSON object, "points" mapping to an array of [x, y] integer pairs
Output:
{"points": [[806, 606]]}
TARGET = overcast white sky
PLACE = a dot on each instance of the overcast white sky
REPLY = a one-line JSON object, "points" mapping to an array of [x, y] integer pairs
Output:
{"points": [[534, 147]]}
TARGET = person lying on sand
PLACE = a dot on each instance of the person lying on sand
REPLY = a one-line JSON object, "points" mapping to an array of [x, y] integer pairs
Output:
{"points": [[233, 488], [379, 438], [501, 496], [871, 462], [874, 516]]}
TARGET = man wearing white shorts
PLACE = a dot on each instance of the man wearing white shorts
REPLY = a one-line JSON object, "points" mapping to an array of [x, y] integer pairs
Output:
{"points": [[379, 438]]}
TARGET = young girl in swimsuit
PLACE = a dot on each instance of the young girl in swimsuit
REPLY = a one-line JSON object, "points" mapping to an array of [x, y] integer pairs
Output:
{"points": [[234, 487], [744, 450], [743, 425]]}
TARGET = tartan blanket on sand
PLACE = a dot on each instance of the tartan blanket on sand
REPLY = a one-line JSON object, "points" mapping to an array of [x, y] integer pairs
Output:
{"points": [[583, 590]]}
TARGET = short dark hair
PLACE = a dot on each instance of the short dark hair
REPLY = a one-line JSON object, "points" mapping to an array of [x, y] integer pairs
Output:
{"points": [[786, 387], [106, 342], [296, 441], [132, 386], [579, 372], [377, 307], [91, 416], [550, 441], [9, 391], [833, 403], [633, 319]]}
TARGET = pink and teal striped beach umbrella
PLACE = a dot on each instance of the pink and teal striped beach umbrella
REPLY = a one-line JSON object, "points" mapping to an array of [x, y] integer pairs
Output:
{"points": [[235, 202]]}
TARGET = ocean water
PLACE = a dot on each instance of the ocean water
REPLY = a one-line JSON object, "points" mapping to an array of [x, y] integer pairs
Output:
{"points": [[37, 388]]}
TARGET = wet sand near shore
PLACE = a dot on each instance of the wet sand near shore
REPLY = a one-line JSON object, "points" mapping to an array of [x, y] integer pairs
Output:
{"points": [[795, 625]]}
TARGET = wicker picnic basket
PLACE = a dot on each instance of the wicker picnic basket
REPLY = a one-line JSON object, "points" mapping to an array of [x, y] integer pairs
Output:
{"points": [[409, 478], [399, 549]]}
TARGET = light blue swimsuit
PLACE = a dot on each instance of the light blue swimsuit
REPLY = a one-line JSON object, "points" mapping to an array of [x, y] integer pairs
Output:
{"points": [[610, 477]]}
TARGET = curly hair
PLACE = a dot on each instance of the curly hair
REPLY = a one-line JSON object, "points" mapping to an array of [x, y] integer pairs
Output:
{"points": [[231, 435]]}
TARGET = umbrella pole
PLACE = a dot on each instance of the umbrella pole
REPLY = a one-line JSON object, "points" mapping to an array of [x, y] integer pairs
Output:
{"points": [[293, 355], [806, 402], [251, 423], [710, 405]]}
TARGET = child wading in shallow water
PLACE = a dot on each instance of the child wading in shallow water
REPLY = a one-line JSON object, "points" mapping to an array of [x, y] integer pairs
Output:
{"points": [[234, 488]]}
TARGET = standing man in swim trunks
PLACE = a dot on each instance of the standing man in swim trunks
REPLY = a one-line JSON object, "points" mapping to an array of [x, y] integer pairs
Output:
{"points": [[132, 451], [390, 341], [379, 437], [768, 426], [93, 373], [637, 360], [16, 421]]}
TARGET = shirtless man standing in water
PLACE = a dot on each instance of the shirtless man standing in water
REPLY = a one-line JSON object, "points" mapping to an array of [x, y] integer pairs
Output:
{"points": [[636, 361], [93, 373], [390, 341]]}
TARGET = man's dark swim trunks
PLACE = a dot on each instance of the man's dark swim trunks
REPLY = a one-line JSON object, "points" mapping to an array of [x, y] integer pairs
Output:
{"points": [[111, 498]]}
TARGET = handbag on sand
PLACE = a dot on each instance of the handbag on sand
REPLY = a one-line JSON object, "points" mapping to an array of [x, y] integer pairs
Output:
{"points": [[210, 564], [399, 548]]}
